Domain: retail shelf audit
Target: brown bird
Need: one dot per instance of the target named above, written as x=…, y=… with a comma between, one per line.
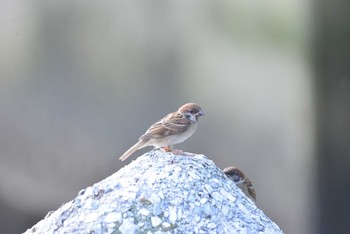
x=238, y=177
x=173, y=129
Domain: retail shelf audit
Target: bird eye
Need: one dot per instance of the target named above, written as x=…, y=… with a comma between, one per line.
x=192, y=111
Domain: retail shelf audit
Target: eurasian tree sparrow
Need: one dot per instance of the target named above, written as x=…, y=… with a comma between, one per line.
x=173, y=129
x=238, y=177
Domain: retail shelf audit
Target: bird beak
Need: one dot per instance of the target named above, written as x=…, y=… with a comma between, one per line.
x=201, y=113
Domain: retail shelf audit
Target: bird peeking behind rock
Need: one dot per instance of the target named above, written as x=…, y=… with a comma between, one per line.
x=173, y=129
x=238, y=177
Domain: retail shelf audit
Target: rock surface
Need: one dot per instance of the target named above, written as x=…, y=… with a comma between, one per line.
x=160, y=193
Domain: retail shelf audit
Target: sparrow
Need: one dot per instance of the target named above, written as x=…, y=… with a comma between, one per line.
x=173, y=129
x=238, y=177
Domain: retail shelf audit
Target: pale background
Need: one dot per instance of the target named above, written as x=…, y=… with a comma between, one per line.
x=82, y=80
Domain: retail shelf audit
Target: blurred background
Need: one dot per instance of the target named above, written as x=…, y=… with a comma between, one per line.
x=82, y=80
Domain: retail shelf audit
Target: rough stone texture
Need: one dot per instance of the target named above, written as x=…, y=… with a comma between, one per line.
x=160, y=193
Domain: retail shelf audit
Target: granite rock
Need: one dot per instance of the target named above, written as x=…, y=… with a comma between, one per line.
x=160, y=192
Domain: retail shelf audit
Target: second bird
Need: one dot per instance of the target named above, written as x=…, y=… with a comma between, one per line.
x=173, y=129
x=238, y=177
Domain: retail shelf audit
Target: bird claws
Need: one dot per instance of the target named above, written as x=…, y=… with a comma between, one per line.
x=174, y=151
x=167, y=149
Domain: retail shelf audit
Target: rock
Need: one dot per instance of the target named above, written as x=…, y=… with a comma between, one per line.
x=160, y=192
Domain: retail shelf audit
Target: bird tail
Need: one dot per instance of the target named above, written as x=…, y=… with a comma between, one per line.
x=133, y=149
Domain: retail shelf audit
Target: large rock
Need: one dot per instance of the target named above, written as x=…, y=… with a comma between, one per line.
x=160, y=192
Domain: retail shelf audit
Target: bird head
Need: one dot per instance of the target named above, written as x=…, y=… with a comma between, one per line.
x=234, y=174
x=191, y=111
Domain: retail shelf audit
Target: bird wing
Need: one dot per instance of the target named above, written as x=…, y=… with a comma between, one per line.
x=172, y=124
x=250, y=188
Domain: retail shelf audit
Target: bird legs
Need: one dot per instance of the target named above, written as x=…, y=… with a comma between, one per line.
x=169, y=148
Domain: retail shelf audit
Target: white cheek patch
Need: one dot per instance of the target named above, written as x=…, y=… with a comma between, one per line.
x=193, y=118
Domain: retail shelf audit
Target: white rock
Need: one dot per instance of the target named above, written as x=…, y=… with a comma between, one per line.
x=155, y=220
x=172, y=214
x=128, y=226
x=91, y=217
x=179, y=204
x=203, y=200
x=113, y=217
x=166, y=225
x=144, y=212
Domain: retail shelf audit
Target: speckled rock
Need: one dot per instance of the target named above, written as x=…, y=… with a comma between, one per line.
x=160, y=193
